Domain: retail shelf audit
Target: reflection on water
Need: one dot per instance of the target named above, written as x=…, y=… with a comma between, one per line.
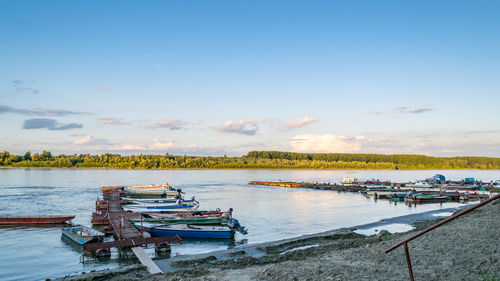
x=269, y=213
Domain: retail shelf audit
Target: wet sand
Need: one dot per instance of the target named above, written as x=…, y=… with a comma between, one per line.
x=464, y=249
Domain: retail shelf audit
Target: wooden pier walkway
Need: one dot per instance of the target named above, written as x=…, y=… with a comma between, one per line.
x=126, y=235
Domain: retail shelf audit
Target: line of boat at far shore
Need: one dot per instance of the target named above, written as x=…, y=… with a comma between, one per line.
x=432, y=190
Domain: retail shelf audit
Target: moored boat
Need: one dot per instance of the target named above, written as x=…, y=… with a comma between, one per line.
x=81, y=234
x=35, y=219
x=160, y=190
x=160, y=208
x=460, y=187
x=419, y=184
x=421, y=198
x=217, y=212
x=160, y=201
x=107, y=188
x=188, y=231
x=397, y=196
x=196, y=220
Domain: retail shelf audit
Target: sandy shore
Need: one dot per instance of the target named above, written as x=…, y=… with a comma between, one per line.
x=467, y=248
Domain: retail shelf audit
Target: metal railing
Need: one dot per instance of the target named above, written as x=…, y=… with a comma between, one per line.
x=405, y=242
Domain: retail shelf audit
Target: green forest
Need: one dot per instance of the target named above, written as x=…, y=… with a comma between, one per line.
x=253, y=160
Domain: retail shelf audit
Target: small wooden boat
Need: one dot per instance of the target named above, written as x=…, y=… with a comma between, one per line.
x=22, y=220
x=379, y=194
x=188, y=231
x=349, y=188
x=421, y=198
x=397, y=196
x=106, y=188
x=461, y=187
x=160, y=201
x=473, y=196
x=419, y=184
x=217, y=212
x=81, y=234
x=160, y=190
x=196, y=220
x=172, y=205
x=162, y=208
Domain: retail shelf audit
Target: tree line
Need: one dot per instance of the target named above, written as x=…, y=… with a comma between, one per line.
x=253, y=160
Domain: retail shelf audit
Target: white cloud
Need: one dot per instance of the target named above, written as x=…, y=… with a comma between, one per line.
x=90, y=140
x=421, y=109
x=127, y=147
x=243, y=127
x=112, y=121
x=405, y=110
x=157, y=145
x=173, y=124
x=160, y=145
x=326, y=143
x=299, y=122
x=84, y=140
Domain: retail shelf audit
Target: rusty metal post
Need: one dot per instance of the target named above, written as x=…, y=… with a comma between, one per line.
x=408, y=261
x=121, y=227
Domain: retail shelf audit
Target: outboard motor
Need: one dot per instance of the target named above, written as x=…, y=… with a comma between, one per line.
x=235, y=224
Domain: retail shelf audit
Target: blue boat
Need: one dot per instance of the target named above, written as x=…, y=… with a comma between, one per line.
x=162, y=201
x=81, y=234
x=188, y=231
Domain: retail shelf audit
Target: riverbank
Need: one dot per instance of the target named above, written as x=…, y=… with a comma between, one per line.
x=464, y=249
x=252, y=160
x=245, y=168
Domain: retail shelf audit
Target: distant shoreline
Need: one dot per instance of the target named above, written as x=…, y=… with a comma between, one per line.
x=259, y=160
x=276, y=169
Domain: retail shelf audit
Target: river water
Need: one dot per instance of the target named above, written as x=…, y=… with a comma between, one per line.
x=269, y=213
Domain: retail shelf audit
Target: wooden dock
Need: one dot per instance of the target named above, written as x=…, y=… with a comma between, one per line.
x=111, y=212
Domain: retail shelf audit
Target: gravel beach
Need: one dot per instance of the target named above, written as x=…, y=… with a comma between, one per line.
x=464, y=249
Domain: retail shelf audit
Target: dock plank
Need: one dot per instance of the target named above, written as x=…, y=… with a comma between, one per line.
x=146, y=260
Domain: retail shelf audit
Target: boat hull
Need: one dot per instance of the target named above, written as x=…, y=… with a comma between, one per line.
x=151, y=192
x=195, y=213
x=423, y=200
x=158, y=201
x=36, y=220
x=80, y=239
x=189, y=233
x=160, y=209
x=187, y=220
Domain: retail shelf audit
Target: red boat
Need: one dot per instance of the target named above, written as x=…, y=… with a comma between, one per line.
x=36, y=220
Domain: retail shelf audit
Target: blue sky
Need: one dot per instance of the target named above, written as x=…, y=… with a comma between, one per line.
x=226, y=77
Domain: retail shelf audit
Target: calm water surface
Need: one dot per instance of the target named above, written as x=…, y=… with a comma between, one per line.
x=270, y=213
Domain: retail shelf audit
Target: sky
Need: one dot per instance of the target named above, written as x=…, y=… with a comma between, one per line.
x=227, y=77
